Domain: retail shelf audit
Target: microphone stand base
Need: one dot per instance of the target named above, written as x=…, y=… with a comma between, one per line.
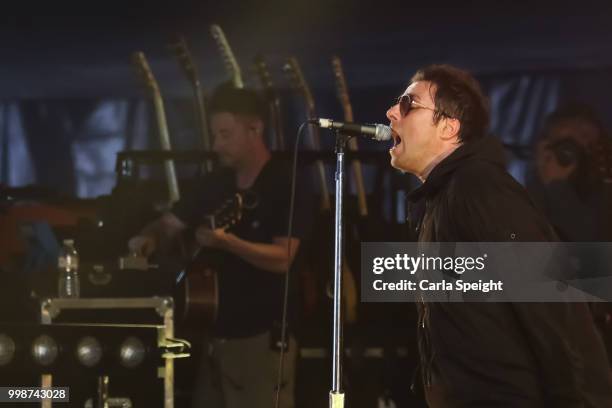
x=336, y=399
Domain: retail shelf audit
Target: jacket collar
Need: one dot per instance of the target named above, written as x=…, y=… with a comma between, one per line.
x=487, y=149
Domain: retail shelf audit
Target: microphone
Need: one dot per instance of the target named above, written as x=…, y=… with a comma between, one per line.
x=374, y=131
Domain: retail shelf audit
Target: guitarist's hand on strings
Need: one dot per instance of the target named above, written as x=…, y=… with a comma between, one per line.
x=212, y=238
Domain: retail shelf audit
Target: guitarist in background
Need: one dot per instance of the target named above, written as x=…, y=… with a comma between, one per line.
x=242, y=366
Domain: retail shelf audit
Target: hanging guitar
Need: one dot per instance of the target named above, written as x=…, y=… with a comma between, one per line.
x=345, y=101
x=231, y=64
x=323, y=242
x=144, y=70
x=273, y=99
x=370, y=225
x=197, y=291
x=298, y=81
x=186, y=61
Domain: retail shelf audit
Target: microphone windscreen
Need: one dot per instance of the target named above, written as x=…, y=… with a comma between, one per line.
x=383, y=133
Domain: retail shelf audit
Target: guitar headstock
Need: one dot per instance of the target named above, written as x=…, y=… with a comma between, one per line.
x=342, y=88
x=261, y=68
x=231, y=65
x=144, y=71
x=186, y=61
x=228, y=214
x=298, y=81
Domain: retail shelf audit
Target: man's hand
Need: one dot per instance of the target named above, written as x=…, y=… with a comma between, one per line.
x=207, y=237
x=143, y=245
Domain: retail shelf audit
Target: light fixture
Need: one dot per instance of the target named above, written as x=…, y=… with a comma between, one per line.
x=89, y=351
x=132, y=352
x=44, y=350
x=7, y=349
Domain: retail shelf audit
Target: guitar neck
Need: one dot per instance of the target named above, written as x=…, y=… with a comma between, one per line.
x=315, y=144
x=186, y=61
x=261, y=68
x=231, y=64
x=144, y=70
x=347, y=108
x=292, y=68
x=315, y=134
x=274, y=104
x=358, y=174
x=200, y=105
x=164, y=139
x=277, y=120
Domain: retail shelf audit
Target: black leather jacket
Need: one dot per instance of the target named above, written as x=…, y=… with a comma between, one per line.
x=500, y=354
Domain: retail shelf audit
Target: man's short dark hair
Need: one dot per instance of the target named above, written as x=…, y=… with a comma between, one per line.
x=458, y=95
x=227, y=98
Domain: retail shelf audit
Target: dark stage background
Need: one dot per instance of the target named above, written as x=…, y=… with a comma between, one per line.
x=70, y=100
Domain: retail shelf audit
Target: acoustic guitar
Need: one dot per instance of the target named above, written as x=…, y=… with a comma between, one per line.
x=197, y=290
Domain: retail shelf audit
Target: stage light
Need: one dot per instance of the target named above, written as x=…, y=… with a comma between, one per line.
x=132, y=352
x=7, y=349
x=44, y=350
x=89, y=351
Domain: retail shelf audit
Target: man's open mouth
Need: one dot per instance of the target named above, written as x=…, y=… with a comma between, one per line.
x=396, y=137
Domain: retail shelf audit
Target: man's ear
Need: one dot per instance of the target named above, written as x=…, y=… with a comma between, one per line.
x=450, y=128
x=256, y=126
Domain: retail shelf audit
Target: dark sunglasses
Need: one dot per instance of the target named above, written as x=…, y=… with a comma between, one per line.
x=407, y=103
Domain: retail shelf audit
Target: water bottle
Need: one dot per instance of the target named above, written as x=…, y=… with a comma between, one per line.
x=68, y=265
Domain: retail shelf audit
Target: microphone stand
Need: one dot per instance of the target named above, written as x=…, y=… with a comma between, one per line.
x=336, y=395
